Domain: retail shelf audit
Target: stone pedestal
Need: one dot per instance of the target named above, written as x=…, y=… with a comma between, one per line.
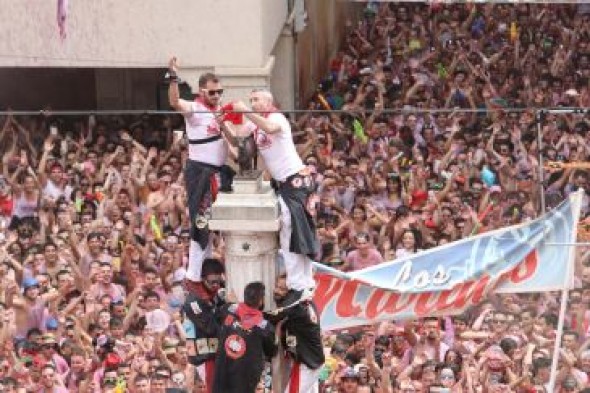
x=248, y=220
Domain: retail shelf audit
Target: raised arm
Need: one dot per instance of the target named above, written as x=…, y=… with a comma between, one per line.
x=266, y=125
x=173, y=94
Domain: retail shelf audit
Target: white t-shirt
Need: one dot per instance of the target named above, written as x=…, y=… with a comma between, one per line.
x=201, y=126
x=52, y=191
x=278, y=150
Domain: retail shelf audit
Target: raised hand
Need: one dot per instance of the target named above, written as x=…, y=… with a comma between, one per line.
x=48, y=145
x=173, y=64
x=125, y=136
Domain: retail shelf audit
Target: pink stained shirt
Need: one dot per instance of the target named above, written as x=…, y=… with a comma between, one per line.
x=357, y=261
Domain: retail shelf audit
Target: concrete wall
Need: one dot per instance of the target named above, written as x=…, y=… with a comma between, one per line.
x=141, y=33
x=244, y=41
x=234, y=38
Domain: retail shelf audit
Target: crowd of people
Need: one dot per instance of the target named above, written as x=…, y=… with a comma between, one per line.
x=436, y=141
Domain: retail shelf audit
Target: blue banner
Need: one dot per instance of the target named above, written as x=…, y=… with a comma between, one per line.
x=530, y=257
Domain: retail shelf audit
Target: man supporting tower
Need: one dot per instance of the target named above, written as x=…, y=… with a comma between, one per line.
x=302, y=339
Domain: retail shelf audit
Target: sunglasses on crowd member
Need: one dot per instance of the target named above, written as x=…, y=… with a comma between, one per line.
x=213, y=92
x=214, y=282
x=110, y=382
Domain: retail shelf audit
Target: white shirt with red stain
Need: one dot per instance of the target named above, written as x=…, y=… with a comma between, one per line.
x=278, y=150
x=200, y=126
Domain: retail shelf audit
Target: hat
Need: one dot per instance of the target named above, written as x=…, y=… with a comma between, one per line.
x=30, y=282
x=359, y=367
x=349, y=373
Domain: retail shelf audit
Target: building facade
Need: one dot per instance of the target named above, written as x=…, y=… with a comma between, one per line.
x=114, y=53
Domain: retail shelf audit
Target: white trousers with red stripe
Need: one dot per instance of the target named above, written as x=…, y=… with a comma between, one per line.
x=303, y=379
x=298, y=267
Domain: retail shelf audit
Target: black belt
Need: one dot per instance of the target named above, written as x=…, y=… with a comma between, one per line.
x=289, y=178
x=204, y=140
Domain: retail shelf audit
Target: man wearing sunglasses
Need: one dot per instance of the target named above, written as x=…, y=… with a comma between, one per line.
x=202, y=308
x=207, y=153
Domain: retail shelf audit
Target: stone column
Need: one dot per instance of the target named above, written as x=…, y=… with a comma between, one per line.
x=248, y=220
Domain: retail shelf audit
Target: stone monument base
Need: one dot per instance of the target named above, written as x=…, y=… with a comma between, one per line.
x=248, y=220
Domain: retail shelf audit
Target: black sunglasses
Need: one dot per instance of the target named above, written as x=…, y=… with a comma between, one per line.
x=213, y=92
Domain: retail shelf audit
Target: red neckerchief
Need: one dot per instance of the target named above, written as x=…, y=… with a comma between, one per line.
x=249, y=317
x=201, y=101
x=203, y=293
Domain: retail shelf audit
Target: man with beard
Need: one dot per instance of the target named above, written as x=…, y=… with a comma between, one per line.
x=202, y=307
x=247, y=340
x=301, y=336
x=207, y=153
x=429, y=343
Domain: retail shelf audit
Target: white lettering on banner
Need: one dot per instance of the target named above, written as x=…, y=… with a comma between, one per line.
x=440, y=276
x=422, y=278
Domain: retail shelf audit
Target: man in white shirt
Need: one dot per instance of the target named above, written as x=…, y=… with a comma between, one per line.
x=294, y=184
x=207, y=153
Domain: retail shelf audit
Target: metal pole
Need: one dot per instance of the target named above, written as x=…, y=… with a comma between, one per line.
x=557, y=346
x=568, y=244
x=563, y=305
x=539, y=116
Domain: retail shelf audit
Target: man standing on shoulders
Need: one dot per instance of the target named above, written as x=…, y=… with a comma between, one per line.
x=302, y=339
x=298, y=238
x=246, y=342
x=207, y=153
